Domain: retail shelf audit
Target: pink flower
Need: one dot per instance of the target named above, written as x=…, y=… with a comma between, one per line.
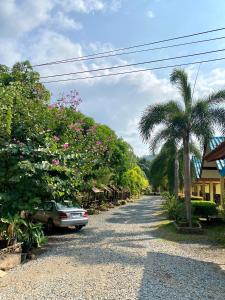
x=98, y=143
x=55, y=162
x=75, y=127
x=53, y=105
x=66, y=145
x=56, y=138
x=72, y=100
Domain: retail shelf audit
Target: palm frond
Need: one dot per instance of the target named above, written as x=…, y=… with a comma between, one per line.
x=202, y=121
x=158, y=170
x=218, y=118
x=169, y=147
x=163, y=135
x=158, y=138
x=155, y=115
x=179, y=78
x=216, y=97
x=194, y=150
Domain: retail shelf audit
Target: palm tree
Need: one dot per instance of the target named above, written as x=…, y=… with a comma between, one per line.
x=170, y=141
x=166, y=168
x=185, y=119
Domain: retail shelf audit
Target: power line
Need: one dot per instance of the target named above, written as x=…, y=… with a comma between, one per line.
x=136, y=71
x=140, y=51
x=130, y=47
x=134, y=64
x=196, y=78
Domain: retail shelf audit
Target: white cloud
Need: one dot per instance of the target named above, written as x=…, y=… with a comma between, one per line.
x=18, y=18
x=48, y=46
x=150, y=14
x=60, y=20
x=115, y=5
x=91, y=6
x=83, y=6
x=9, y=52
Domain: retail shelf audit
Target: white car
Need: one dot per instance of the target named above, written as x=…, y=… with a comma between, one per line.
x=55, y=214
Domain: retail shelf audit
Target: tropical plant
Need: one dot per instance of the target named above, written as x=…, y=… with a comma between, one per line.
x=186, y=119
x=13, y=227
x=135, y=180
x=32, y=235
x=145, y=165
x=166, y=169
x=175, y=210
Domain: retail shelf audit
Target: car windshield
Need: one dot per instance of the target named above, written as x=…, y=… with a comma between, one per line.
x=66, y=205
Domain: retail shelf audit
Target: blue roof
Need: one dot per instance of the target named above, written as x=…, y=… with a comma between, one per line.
x=213, y=144
x=197, y=166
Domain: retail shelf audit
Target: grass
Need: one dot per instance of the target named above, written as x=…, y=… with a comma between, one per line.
x=213, y=233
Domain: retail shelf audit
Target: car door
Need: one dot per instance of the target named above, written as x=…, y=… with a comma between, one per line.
x=39, y=214
x=48, y=211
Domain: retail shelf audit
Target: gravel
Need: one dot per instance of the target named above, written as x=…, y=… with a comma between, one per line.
x=120, y=255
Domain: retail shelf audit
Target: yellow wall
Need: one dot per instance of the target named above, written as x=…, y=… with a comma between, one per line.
x=218, y=189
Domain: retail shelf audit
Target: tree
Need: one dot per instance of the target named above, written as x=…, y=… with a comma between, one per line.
x=135, y=180
x=186, y=119
x=52, y=150
x=166, y=169
x=145, y=165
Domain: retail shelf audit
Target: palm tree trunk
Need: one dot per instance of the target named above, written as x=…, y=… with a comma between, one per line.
x=187, y=179
x=176, y=176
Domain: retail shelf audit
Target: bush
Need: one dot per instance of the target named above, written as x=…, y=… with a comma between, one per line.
x=123, y=202
x=193, y=198
x=135, y=180
x=204, y=209
x=175, y=211
x=17, y=229
x=196, y=198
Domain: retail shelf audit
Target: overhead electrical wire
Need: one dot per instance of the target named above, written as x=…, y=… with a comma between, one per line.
x=140, y=51
x=134, y=64
x=127, y=48
x=136, y=71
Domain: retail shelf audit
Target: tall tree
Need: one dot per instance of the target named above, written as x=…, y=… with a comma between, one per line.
x=187, y=119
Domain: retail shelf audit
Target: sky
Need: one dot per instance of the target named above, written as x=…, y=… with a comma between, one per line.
x=48, y=30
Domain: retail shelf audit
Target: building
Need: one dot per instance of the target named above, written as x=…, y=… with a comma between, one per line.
x=210, y=173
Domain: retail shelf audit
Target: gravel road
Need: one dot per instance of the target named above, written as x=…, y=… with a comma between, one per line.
x=119, y=256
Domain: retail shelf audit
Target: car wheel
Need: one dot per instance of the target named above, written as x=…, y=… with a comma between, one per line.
x=78, y=227
x=50, y=226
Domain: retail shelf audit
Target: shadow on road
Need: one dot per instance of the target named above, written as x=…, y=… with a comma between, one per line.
x=175, y=277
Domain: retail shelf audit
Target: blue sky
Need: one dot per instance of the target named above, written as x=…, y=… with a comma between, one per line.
x=45, y=30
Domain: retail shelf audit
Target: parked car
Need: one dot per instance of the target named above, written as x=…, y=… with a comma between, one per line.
x=54, y=214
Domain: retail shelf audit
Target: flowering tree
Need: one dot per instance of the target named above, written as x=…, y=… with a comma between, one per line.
x=52, y=151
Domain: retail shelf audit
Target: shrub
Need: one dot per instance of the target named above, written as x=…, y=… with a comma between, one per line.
x=123, y=202
x=196, y=198
x=204, y=209
x=135, y=180
x=17, y=229
x=193, y=198
x=175, y=211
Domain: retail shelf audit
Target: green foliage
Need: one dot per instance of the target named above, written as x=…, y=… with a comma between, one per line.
x=145, y=165
x=11, y=228
x=196, y=198
x=204, y=209
x=175, y=210
x=32, y=235
x=135, y=180
x=16, y=229
x=53, y=151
